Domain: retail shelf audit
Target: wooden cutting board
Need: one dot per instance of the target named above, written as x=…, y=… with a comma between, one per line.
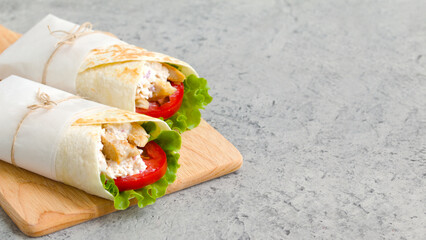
x=40, y=206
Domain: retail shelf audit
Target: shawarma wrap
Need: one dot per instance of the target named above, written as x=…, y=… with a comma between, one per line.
x=108, y=152
x=102, y=68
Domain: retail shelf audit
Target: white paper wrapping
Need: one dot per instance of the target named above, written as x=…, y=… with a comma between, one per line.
x=38, y=137
x=29, y=54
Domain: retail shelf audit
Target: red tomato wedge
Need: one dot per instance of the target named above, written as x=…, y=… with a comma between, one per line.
x=167, y=109
x=156, y=163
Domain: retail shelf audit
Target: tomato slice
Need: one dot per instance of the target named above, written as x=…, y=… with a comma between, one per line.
x=156, y=166
x=169, y=108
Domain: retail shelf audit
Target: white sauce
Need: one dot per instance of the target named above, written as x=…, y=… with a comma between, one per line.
x=128, y=166
x=121, y=130
x=151, y=72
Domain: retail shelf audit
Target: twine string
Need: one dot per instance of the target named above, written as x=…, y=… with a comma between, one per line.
x=44, y=101
x=69, y=38
x=74, y=34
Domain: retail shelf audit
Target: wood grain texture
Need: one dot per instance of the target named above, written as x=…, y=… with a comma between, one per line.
x=40, y=206
x=7, y=37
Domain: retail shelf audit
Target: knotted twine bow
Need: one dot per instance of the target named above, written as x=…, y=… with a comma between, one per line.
x=69, y=38
x=44, y=102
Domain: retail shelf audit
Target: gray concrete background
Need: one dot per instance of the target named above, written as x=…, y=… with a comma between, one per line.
x=325, y=100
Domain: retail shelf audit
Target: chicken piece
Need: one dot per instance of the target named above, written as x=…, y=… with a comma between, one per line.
x=174, y=74
x=116, y=149
x=141, y=102
x=138, y=135
x=162, y=90
x=163, y=100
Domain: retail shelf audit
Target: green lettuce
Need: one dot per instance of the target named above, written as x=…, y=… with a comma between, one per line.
x=170, y=142
x=196, y=96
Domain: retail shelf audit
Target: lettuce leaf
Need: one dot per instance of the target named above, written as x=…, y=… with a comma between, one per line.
x=170, y=142
x=195, y=97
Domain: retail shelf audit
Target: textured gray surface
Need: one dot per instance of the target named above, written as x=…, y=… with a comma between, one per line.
x=325, y=100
